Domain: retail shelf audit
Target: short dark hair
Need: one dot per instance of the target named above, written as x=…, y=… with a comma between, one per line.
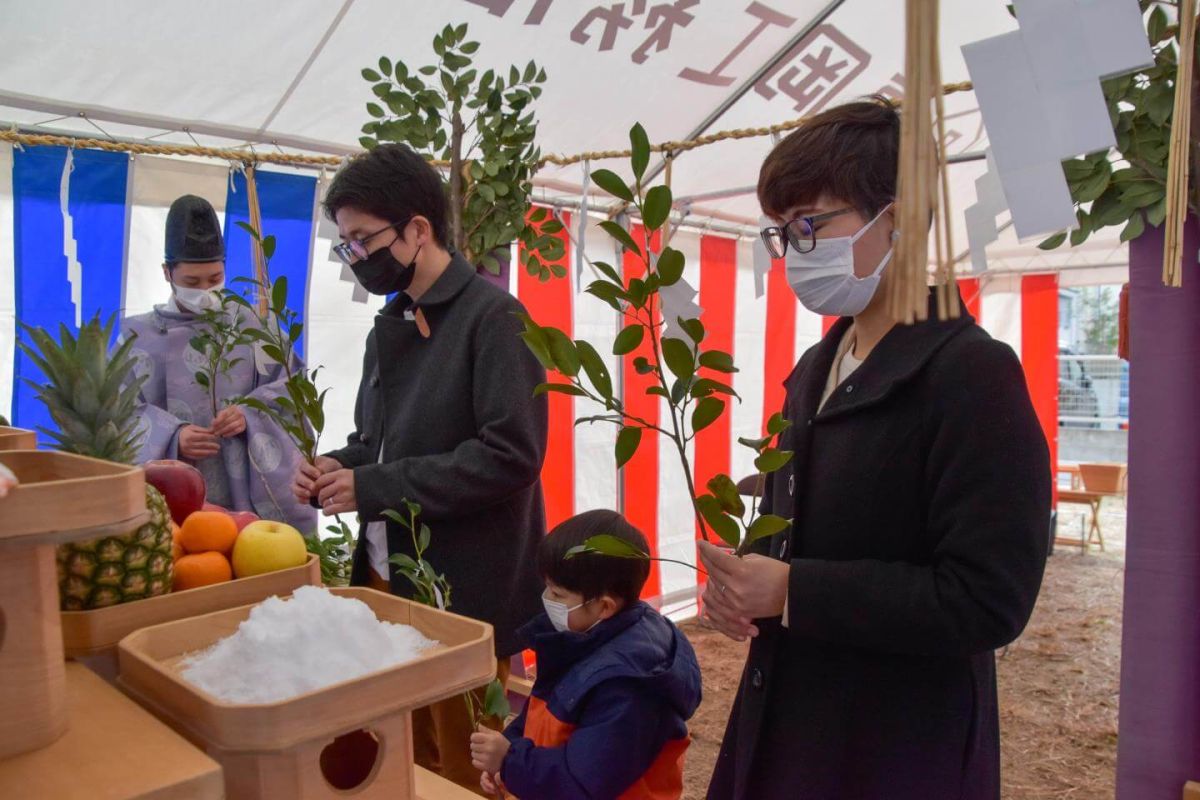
x=392, y=182
x=849, y=152
x=591, y=574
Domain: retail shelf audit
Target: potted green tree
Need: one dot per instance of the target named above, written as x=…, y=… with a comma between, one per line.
x=482, y=127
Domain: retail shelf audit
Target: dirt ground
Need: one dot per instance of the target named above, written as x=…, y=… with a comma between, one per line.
x=1058, y=682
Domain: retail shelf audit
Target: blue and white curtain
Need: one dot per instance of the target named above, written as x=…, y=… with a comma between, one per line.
x=81, y=232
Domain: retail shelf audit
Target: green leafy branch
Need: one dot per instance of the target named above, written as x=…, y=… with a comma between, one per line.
x=483, y=125
x=1130, y=190
x=335, y=553
x=677, y=366
x=221, y=334
x=431, y=588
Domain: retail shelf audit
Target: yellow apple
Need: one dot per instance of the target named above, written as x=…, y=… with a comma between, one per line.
x=267, y=546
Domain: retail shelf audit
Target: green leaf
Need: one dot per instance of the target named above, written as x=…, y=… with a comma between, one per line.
x=621, y=235
x=1156, y=213
x=371, y=75
x=495, y=701
x=268, y=246
x=1094, y=185
x=627, y=444
x=559, y=388
x=202, y=379
x=707, y=411
x=1135, y=227
x=385, y=65
x=772, y=460
x=657, y=207
x=376, y=110
x=1156, y=26
x=717, y=360
x=726, y=492
x=777, y=424
x=1053, y=241
x=562, y=351
x=628, y=339
x=755, y=444
x=707, y=386
x=607, y=292
x=611, y=182
x=679, y=357
x=606, y=544
x=640, y=144
x=539, y=345
x=694, y=329
x=279, y=295
x=670, y=266
x=423, y=539
x=595, y=368
x=764, y=526
x=248, y=228
x=609, y=272
x=714, y=515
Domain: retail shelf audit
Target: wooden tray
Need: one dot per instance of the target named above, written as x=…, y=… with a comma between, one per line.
x=273, y=750
x=113, y=750
x=61, y=497
x=17, y=439
x=96, y=632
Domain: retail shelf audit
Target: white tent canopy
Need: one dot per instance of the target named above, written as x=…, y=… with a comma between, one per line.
x=225, y=73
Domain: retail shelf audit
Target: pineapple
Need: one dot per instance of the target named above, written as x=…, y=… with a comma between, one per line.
x=93, y=396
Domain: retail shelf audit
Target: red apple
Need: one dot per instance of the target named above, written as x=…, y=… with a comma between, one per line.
x=181, y=484
x=243, y=518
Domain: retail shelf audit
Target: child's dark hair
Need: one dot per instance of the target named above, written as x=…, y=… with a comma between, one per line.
x=591, y=574
x=392, y=182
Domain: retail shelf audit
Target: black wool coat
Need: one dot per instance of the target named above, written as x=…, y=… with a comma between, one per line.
x=465, y=438
x=921, y=499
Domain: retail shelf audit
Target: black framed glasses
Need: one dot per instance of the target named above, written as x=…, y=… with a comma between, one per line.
x=356, y=249
x=800, y=234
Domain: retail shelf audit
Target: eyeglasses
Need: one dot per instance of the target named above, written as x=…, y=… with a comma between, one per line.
x=356, y=249
x=800, y=234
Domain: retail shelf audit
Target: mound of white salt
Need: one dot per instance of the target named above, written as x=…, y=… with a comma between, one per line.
x=288, y=647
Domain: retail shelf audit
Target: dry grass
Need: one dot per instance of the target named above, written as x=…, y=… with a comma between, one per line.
x=1058, y=683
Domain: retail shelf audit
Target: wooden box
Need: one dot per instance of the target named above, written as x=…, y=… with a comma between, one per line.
x=17, y=439
x=112, y=750
x=275, y=750
x=60, y=497
x=92, y=636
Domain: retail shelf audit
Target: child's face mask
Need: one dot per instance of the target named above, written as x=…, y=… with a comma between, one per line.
x=560, y=614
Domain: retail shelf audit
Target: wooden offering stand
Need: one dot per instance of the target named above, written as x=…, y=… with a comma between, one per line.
x=282, y=749
x=17, y=439
x=60, y=497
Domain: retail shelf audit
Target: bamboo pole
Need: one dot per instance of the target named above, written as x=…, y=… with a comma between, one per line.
x=1177, y=152
x=256, y=251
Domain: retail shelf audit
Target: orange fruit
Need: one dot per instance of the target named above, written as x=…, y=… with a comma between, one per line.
x=201, y=569
x=208, y=530
x=176, y=544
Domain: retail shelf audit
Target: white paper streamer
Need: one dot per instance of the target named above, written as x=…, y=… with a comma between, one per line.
x=70, y=247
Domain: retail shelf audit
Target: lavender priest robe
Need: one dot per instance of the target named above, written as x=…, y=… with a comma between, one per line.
x=254, y=469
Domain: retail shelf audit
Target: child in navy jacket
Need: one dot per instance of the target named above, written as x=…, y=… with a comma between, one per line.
x=616, y=683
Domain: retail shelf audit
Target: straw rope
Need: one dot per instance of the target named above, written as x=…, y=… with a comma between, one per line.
x=248, y=157
x=1177, y=152
x=922, y=162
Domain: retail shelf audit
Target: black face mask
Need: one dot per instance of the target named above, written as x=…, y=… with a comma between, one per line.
x=381, y=273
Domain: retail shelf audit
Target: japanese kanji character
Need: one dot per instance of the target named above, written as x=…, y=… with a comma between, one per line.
x=827, y=62
x=665, y=16
x=614, y=20
x=767, y=17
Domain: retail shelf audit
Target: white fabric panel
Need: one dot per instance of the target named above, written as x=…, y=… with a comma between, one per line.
x=8, y=274
x=1000, y=301
x=676, y=521
x=595, y=464
x=335, y=331
x=749, y=350
x=157, y=182
x=1098, y=276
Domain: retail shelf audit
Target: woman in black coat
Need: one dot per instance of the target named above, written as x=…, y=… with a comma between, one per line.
x=920, y=500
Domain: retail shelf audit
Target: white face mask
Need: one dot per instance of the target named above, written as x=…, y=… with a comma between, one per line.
x=559, y=612
x=198, y=300
x=824, y=279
